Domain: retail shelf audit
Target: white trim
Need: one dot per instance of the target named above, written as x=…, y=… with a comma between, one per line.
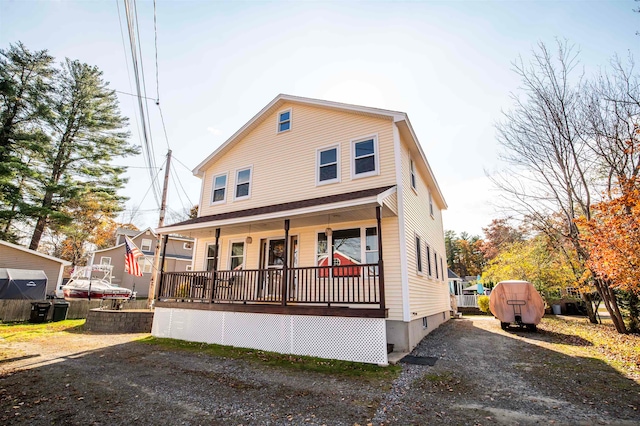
x=102, y=258
x=206, y=253
x=190, y=243
x=235, y=183
x=404, y=277
x=277, y=215
x=213, y=188
x=143, y=243
x=338, y=166
x=204, y=176
x=413, y=178
x=146, y=263
x=417, y=249
x=376, y=156
x=389, y=192
x=430, y=204
x=26, y=250
x=60, y=275
x=428, y=253
x=281, y=99
x=244, y=252
x=278, y=122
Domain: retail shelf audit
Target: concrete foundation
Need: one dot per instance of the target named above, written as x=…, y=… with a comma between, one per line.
x=406, y=335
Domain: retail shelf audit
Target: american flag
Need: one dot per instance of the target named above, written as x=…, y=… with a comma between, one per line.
x=131, y=258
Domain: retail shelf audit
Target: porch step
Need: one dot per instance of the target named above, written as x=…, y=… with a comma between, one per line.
x=395, y=357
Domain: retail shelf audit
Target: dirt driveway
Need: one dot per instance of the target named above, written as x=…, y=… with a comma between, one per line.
x=483, y=376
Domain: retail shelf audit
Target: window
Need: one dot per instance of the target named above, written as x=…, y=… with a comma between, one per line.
x=188, y=246
x=429, y=260
x=105, y=260
x=418, y=254
x=145, y=265
x=435, y=261
x=442, y=268
x=349, y=248
x=424, y=322
x=219, y=189
x=371, y=249
x=413, y=174
x=243, y=184
x=284, y=121
x=430, y=204
x=237, y=256
x=211, y=256
x=146, y=244
x=328, y=165
x=365, y=161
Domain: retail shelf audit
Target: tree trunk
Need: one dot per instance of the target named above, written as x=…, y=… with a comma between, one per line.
x=42, y=221
x=588, y=302
x=609, y=300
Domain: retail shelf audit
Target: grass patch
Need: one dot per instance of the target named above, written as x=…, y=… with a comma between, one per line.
x=620, y=351
x=292, y=362
x=20, y=332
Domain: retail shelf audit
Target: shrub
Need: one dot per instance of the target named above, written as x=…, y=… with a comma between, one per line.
x=483, y=303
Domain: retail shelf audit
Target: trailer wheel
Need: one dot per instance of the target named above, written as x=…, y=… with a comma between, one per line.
x=532, y=327
x=504, y=325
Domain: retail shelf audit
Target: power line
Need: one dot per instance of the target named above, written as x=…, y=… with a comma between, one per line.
x=155, y=32
x=132, y=94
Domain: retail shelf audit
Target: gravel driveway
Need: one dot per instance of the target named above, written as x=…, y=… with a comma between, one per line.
x=483, y=376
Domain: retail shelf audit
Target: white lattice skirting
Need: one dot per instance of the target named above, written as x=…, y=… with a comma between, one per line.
x=349, y=339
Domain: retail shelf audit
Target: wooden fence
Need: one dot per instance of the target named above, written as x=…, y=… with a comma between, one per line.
x=20, y=310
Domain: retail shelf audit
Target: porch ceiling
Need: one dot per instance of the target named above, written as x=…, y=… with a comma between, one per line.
x=334, y=210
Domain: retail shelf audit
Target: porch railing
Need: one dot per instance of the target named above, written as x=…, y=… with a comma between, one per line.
x=324, y=285
x=467, y=300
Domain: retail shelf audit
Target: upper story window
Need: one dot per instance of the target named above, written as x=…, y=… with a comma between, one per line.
x=284, y=121
x=435, y=261
x=430, y=204
x=413, y=174
x=328, y=165
x=243, y=183
x=145, y=264
x=146, y=245
x=219, y=189
x=105, y=260
x=365, y=157
x=442, y=268
x=429, y=260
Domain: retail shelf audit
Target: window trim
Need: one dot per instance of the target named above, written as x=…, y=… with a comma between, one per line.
x=429, y=270
x=235, y=184
x=213, y=188
x=418, y=253
x=187, y=246
x=142, y=244
x=318, y=165
x=145, y=263
x=103, y=258
x=376, y=157
x=363, y=241
x=278, y=121
x=244, y=252
x=413, y=180
x=431, y=205
x=435, y=258
x=206, y=254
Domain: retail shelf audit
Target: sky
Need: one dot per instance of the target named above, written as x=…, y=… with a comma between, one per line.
x=447, y=64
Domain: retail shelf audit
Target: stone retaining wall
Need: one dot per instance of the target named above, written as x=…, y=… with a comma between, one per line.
x=124, y=321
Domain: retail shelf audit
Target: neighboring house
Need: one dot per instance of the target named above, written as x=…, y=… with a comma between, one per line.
x=455, y=283
x=334, y=216
x=14, y=256
x=178, y=258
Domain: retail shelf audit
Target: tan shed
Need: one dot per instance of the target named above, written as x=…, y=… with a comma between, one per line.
x=516, y=302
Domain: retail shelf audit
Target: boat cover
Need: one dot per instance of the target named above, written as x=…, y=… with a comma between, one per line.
x=509, y=297
x=22, y=284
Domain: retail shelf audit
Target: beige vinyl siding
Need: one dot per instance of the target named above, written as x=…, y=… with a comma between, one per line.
x=17, y=259
x=392, y=202
x=307, y=248
x=284, y=164
x=427, y=295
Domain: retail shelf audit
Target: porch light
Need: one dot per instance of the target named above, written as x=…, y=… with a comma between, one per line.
x=328, y=232
x=249, y=240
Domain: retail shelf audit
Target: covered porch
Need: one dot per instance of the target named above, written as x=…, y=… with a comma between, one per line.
x=317, y=257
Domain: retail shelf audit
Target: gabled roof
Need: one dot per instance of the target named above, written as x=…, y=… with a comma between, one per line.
x=26, y=250
x=452, y=275
x=398, y=117
x=139, y=233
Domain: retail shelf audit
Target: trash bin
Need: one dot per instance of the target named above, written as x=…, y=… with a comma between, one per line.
x=60, y=310
x=39, y=311
x=556, y=309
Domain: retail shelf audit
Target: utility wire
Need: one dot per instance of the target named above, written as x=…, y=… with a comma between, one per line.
x=155, y=32
x=132, y=94
x=147, y=192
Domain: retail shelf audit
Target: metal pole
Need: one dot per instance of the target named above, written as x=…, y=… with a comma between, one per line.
x=156, y=254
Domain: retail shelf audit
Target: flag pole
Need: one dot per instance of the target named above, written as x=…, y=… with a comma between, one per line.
x=156, y=253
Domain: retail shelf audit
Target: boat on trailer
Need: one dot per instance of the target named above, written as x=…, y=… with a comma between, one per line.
x=93, y=282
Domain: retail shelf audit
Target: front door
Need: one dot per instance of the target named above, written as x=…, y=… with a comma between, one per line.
x=274, y=261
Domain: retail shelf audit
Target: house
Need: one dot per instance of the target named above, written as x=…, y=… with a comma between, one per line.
x=14, y=256
x=178, y=258
x=301, y=188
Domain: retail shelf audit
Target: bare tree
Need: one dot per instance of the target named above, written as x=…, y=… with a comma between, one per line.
x=553, y=172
